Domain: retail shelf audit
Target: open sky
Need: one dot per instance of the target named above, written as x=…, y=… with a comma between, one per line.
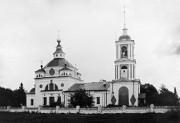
x=88, y=31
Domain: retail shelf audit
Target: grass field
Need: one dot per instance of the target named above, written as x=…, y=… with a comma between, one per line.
x=170, y=117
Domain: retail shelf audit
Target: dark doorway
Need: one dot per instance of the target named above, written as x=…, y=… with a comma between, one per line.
x=45, y=101
x=123, y=96
x=51, y=101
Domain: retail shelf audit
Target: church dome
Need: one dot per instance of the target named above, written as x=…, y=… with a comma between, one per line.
x=124, y=37
x=32, y=91
x=59, y=62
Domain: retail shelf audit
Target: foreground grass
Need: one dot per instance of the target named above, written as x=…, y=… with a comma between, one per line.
x=170, y=117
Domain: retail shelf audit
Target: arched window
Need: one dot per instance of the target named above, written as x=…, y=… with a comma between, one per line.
x=124, y=52
x=124, y=72
x=51, y=87
x=124, y=67
x=46, y=88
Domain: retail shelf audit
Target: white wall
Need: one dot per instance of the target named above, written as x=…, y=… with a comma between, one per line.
x=28, y=100
x=129, y=85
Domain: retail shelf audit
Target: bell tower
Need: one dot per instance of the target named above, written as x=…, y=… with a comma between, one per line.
x=125, y=62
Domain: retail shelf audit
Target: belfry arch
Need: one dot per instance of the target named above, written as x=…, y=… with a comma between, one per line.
x=124, y=52
x=124, y=71
x=123, y=96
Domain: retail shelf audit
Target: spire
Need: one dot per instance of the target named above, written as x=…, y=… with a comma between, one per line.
x=124, y=29
x=124, y=18
x=41, y=64
x=58, y=39
x=58, y=53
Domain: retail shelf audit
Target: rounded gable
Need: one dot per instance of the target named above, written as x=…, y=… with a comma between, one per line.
x=32, y=90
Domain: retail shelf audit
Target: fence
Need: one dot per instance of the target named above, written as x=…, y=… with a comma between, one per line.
x=112, y=110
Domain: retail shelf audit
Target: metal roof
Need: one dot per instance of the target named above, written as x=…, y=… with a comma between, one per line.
x=59, y=62
x=94, y=86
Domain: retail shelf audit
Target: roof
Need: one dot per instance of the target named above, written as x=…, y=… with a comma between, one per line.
x=126, y=80
x=65, y=68
x=94, y=86
x=41, y=70
x=58, y=51
x=32, y=91
x=59, y=62
x=126, y=37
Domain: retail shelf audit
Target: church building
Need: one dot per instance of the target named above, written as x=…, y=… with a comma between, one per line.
x=52, y=80
x=59, y=79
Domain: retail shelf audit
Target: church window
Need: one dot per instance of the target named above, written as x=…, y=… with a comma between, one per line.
x=62, y=84
x=46, y=88
x=59, y=100
x=124, y=52
x=51, y=86
x=56, y=87
x=124, y=72
x=51, y=101
x=97, y=100
x=37, y=76
x=51, y=72
x=32, y=102
x=45, y=101
x=40, y=86
x=124, y=67
x=66, y=74
x=56, y=55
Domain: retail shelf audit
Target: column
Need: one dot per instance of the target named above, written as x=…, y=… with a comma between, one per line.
x=117, y=71
x=128, y=50
x=119, y=51
x=131, y=52
x=116, y=51
x=132, y=71
x=129, y=71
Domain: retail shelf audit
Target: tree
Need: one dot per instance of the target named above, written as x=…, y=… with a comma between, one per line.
x=168, y=98
x=82, y=99
x=7, y=97
x=151, y=93
x=20, y=95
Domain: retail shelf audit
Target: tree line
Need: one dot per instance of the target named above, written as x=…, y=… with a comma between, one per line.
x=161, y=97
x=14, y=98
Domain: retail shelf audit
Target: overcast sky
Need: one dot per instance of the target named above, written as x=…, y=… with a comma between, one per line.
x=88, y=30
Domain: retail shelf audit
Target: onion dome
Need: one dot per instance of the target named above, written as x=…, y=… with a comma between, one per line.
x=41, y=70
x=58, y=47
x=124, y=36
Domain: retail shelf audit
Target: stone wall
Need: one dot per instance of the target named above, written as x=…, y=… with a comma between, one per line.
x=155, y=109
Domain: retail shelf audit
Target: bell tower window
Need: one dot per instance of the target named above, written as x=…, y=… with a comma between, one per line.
x=124, y=52
x=124, y=72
